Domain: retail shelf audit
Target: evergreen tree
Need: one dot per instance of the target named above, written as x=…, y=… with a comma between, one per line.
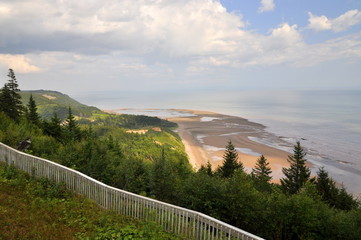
x=72, y=128
x=5, y=100
x=12, y=82
x=162, y=182
x=206, y=169
x=325, y=186
x=298, y=173
x=262, y=171
x=230, y=161
x=345, y=201
x=53, y=128
x=10, y=98
x=31, y=113
x=332, y=195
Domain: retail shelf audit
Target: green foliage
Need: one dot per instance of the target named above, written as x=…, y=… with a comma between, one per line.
x=31, y=112
x=298, y=173
x=262, y=170
x=132, y=175
x=207, y=169
x=10, y=99
x=130, y=121
x=40, y=209
x=53, y=128
x=261, y=174
x=230, y=161
x=163, y=179
x=204, y=193
x=50, y=102
x=332, y=195
x=6, y=101
x=72, y=130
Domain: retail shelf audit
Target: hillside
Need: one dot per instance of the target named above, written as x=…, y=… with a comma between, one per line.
x=40, y=209
x=49, y=102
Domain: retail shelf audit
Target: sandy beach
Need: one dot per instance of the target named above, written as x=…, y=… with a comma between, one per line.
x=205, y=135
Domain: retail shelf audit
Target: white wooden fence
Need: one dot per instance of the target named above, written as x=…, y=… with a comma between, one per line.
x=178, y=220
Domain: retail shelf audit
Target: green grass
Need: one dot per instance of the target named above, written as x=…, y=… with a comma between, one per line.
x=168, y=137
x=39, y=209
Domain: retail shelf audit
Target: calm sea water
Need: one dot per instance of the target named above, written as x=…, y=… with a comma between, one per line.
x=328, y=123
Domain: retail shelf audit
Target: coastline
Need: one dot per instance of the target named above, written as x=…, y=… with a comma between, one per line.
x=331, y=139
x=205, y=135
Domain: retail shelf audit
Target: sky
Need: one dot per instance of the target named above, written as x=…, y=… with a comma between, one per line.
x=149, y=45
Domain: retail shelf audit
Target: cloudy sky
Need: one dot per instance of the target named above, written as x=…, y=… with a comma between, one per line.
x=100, y=45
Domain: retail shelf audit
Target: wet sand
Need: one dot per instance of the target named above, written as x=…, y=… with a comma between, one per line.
x=206, y=134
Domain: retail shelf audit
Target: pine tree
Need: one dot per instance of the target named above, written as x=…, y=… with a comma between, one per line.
x=230, y=161
x=72, y=129
x=298, y=173
x=262, y=171
x=32, y=114
x=325, y=185
x=5, y=100
x=332, y=195
x=10, y=98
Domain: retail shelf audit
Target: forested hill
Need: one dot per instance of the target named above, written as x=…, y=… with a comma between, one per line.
x=49, y=102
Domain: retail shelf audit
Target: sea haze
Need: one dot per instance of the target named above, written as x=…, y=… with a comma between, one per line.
x=328, y=123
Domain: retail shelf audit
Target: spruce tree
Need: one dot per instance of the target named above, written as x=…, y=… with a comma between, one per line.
x=5, y=100
x=332, y=195
x=10, y=98
x=298, y=173
x=262, y=170
x=32, y=114
x=325, y=185
x=72, y=129
x=230, y=161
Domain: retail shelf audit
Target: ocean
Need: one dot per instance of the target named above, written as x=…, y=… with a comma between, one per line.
x=328, y=123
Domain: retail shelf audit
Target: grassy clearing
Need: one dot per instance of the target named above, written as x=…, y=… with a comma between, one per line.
x=39, y=209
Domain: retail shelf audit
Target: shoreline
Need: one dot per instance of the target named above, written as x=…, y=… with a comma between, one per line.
x=206, y=134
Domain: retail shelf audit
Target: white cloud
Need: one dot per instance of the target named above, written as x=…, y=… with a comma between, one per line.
x=266, y=6
x=19, y=63
x=175, y=28
x=341, y=23
x=284, y=45
x=318, y=23
x=148, y=39
x=346, y=20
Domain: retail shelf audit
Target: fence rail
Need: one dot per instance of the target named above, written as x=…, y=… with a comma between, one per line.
x=178, y=220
